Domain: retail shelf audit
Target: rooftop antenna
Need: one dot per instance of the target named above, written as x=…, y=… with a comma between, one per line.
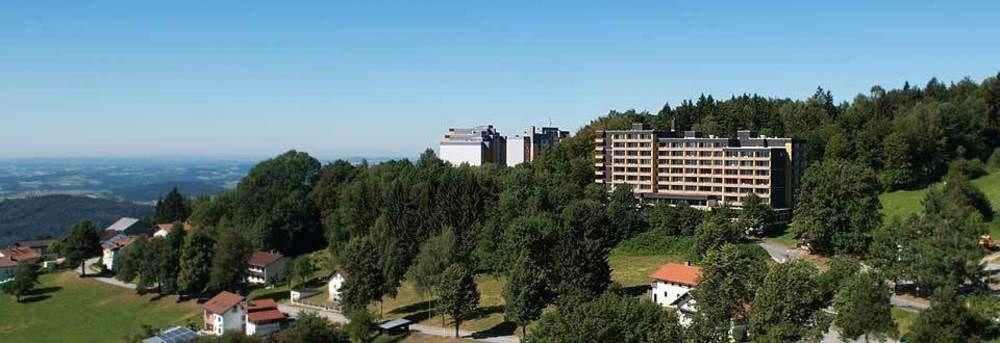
x=550, y=121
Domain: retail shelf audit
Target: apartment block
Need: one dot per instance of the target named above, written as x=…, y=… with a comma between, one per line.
x=474, y=146
x=702, y=171
x=528, y=146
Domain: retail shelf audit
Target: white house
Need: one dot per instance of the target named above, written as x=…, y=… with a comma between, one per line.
x=224, y=312
x=263, y=317
x=265, y=266
x=334, y=285
x=671, y=286
x=114, y=246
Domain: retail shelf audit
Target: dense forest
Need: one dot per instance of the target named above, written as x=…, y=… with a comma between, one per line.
x=547, y=229
x=52, y=215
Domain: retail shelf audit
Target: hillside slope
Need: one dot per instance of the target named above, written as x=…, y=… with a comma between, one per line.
x=55, y=214
x=904, y=203
x=151, y=192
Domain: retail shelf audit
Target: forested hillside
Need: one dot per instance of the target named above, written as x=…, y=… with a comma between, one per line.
x=547, y=230
x=150, y=192
x=52, y=215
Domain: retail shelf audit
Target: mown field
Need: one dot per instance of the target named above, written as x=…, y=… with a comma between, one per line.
x=903, y=203
x=66, y=308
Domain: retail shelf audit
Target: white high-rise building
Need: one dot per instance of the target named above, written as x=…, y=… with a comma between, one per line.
x=473, y=146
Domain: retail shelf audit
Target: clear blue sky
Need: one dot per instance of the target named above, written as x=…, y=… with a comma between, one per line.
x=127, y=78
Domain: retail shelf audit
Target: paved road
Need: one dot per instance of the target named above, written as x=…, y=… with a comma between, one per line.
x=420, y=328
x=108, y=280
x=908, y=304
x=779, y=253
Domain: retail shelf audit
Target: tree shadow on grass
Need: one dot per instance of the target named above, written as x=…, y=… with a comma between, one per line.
x=45, y=290
x=415, y=307
x=486, y=311
x=418, y=316
x=635, y=291
x=34, y=298
x=502, y=329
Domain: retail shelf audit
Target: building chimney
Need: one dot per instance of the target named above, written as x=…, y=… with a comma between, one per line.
x=637, y=126
x=687, y=263
x=673, y=124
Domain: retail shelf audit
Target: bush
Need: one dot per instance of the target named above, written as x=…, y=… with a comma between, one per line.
x=968, y=169
x=655, y=242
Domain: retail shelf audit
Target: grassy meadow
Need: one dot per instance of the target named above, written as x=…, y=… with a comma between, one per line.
x=66, y=308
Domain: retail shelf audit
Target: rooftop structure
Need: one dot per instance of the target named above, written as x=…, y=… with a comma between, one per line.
x=529, y=145
x=702, y=171
x=474, y=146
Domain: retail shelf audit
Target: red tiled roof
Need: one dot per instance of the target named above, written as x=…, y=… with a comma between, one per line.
x=263, y=258
x=222, y=302
x=265, y=315
x=20, y=253
x=261, y=304
x=678, y=273
x=6, y=262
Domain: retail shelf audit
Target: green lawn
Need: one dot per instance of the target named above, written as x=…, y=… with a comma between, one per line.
x=903, y=203
x=69, y=309
x=904, y=320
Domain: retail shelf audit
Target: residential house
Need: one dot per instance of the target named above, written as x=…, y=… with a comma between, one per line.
x=334, y=285
x=9, y=258
x=42, y=246
x=177, y=334
x=125, y=225
x=20, y=253
x=263, y=317
x=224, y=312
x=162, y=230
x=265, y=266
x=7, y=268
x=114, y=246
x=672, y=285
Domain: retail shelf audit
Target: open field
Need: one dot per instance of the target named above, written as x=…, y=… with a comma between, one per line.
x=66, y=308
x=903, y=203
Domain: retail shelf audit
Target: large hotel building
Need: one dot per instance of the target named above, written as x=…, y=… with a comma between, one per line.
x=703, y=171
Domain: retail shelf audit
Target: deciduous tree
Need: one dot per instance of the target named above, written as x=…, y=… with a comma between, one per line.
x=863, y=307
x=838, y=207
x=458, y=294
x=82, y=243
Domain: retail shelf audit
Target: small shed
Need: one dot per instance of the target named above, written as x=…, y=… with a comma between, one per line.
x=395, y=326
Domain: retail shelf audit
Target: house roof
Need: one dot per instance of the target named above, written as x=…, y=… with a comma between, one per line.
x=266, y=315
x=118, y=242
x=264, y=258
x=261, y=304
x=177, y=334
x=122, y=224
x=41, y=243
x=6, y=262
x=170, y=226
x=678, y=273
x=264, y=310
x=222, y=302
x=20, y=253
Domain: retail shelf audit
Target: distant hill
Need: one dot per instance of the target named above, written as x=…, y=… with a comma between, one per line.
x=150, y=192
x=53, y=215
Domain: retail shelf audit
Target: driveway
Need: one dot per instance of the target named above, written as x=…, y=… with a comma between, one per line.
x=779, y=253
x=420, y=328
x=108, y=280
